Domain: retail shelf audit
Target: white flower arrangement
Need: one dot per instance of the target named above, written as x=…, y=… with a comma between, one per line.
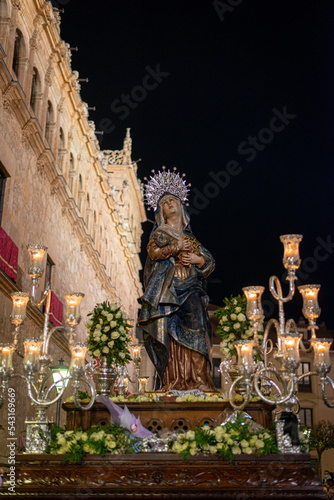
x=108, y=334
x=99, y=440
x=228, y=440
x=233, y=324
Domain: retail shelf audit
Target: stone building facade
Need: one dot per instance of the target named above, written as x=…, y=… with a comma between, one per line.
x=58, y=188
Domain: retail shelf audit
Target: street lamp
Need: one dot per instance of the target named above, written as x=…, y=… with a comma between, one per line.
x=60, y=375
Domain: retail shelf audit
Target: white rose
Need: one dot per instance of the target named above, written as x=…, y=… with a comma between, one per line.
x=98, y=327
x=96, y=333
x=104, y=338
x=226, y=328
x=241, y=317
x=113, y=307
x=122, y=329
x=89, y=323
x=233, y=317
x=237, y=309
x=111, y=344
x=110, y=317
x=118, y=315
x=236, y=326
x=122, y=355
x=104, y=313
x=105, y=350
x=106, y=328
x=124, y=315
x=224, y=318
x=113, y=324
x=101, y=321
x=97, y=353
x=114, y=335
x=232, y=336
x=234, y=302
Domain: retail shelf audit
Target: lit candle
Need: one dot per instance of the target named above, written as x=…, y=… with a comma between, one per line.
x=291, y=259
x=322, y=360
x=136, y=352
x=20, y=301
x=290, y=343
x=36, y=253
x=143, y=384
x=73, y=301
x=78, y=355
x=246, y=362
x=6, y=361
x=311, y=309
x=254, y=309
x=32, y=349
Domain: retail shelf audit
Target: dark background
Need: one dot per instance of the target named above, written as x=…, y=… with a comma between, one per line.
x=226, y=66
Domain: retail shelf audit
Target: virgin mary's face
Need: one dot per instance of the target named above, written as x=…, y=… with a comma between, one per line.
x=170, y=206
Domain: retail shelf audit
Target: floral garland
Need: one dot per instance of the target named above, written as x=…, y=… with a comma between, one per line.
x=233, y=324
x=228, y=440
x=98, y=440
x=108, y=335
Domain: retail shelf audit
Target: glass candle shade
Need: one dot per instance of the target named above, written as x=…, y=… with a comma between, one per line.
x=254, y=311
x=142, y=383
x=136, y=353
x=311, y=309
x=290, y=345
x=20, y=301
x=78, y=363
x=6, y=360
x=32, y=348
x=73, y=301
x=291, y=259
x=246, y=362
x=36, y=253
x=322, y=360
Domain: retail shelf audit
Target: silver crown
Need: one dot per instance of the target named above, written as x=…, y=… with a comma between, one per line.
x=165, y=182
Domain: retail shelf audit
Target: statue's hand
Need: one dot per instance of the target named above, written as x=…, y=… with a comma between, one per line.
x=184, y=245
x=191, y=258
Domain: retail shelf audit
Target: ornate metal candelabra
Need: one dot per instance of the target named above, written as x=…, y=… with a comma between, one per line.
x=277, y=384
x=37, y=360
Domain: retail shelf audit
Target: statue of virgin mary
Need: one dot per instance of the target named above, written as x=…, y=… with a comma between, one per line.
x=174, y=319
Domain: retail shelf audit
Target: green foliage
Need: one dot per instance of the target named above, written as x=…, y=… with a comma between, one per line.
x=98, y=440
x=322, y=436
x=108, y=335
x=227, y=440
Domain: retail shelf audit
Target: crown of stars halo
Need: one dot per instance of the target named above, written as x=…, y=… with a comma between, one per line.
x=165, y=182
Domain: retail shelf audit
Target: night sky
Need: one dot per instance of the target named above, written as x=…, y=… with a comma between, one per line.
x=238, y=95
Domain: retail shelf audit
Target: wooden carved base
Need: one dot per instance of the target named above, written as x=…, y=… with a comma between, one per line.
x=170, y=414
x=166, y=476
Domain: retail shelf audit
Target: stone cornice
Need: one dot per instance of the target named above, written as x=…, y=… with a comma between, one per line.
x=14, y=97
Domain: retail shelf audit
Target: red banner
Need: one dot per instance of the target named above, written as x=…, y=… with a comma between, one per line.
x=56, y=311
x=8, y=255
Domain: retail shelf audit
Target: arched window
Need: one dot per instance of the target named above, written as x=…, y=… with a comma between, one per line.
x=71, y=172
x=61, y=148
x=49, y=124
x=19, y=53
x=35, y=89
x=80, y=192
x=87, y=210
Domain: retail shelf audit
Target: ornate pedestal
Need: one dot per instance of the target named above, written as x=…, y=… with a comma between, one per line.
x=167, y=414
x=166, y=476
